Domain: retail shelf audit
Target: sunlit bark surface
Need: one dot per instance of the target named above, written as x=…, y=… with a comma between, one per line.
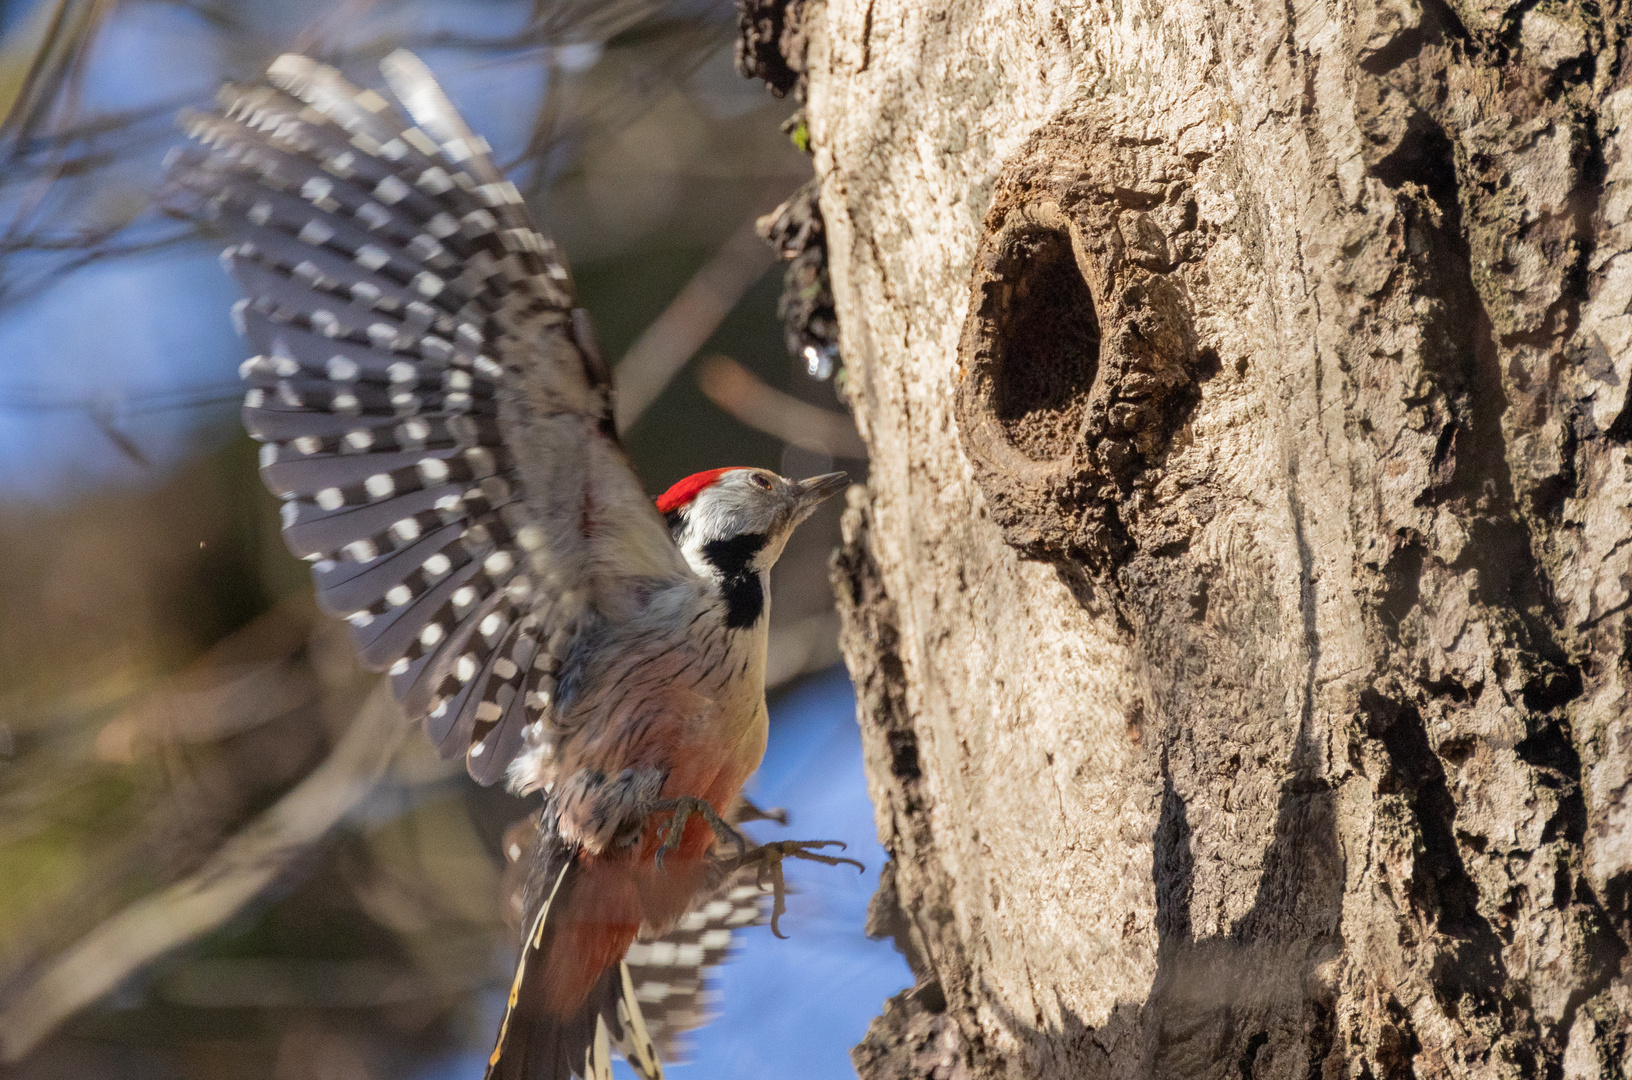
x=1239, y=602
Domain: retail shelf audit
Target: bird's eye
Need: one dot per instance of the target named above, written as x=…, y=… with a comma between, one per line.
x=759, y=481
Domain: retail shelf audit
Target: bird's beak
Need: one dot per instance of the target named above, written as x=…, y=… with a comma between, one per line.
x=809, y=494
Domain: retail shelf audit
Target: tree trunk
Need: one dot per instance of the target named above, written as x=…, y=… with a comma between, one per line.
x=1239, y=601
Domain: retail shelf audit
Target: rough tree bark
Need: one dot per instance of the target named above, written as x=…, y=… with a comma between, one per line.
x=1239, y=602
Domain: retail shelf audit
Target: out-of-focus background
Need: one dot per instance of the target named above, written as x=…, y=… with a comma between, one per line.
x=222, y=854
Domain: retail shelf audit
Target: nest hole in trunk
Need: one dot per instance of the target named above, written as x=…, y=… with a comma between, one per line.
x=1048, y=338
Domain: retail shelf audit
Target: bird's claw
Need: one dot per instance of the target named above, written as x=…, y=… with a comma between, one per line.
x=805, y=849
x=769, y=859
x=675, y=829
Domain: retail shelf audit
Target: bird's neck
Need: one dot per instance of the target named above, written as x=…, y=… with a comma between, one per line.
x=736, y=565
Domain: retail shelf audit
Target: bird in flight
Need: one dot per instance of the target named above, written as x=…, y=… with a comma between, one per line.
x=438, y=422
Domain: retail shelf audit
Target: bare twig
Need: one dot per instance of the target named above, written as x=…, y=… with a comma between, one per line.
x=13, y=292
x=46, y=142
x=313, y=41
x=55, y=43
x=215, y=703
x=240, y=872
x=27, y=398
x=121, y=442
x=690, y=319
x=593, y=114
x=50, y=92
x=742, y=394
x=88, y=129
x=556, y=24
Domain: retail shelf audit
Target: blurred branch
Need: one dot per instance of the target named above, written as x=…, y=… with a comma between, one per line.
x=336, y=20
x=106, y=411
x=131, y=403
x=126, y=122
x=215, y=703
x=46, y=144
x=558, y=23
x=44, y=53
x=87, y=251
x=55, y=47
x=598, y=107
x=263, y=983
x=689, y=321
x=121, y=442
x=239, y=872
x=216, y=14
x=577, y=21
x=745, y=396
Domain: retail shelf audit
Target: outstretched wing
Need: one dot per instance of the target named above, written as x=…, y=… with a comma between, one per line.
x=669, y=977
x=431, y=406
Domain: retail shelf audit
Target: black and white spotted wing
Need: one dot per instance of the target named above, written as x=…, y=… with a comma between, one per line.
x=432, y=410
x=669, y=977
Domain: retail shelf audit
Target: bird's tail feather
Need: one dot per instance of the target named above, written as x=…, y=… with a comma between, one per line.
x=539, y=1040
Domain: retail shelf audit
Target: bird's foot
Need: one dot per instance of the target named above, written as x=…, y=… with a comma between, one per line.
x=685, y=806
x=768, y=858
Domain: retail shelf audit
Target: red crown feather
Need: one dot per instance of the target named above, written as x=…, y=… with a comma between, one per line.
x=686, y=490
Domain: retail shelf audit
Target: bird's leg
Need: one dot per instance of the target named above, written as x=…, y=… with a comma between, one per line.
x=685, y=806
x=768, y=857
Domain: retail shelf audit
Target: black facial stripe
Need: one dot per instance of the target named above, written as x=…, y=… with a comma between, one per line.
x=739, y=582
x=744, y=600
x=732, y=556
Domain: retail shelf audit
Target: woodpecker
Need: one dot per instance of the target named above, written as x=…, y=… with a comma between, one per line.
x=435, y=416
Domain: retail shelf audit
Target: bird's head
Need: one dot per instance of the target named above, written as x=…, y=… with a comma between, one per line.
x=731, y=522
